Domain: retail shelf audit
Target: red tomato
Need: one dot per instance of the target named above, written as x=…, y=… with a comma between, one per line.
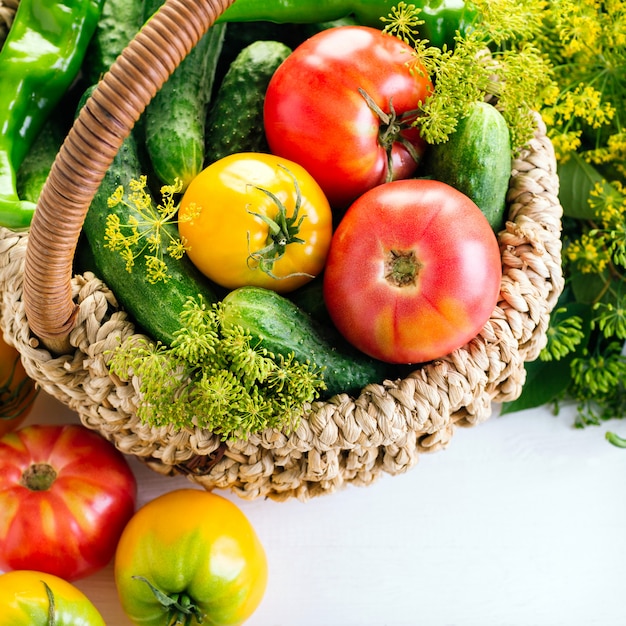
x=413, y=271
x=65, y=496
x=316, y=112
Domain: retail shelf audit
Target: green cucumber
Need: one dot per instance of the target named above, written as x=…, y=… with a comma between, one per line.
x=175, y=119
x=235, y=120
x=241, y=34
x=283, y=328
x=476, y=160
x=119, y=22
x=34, y=170
x=155, y=308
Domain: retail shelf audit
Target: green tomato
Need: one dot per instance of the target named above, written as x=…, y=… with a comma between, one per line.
x=192, y=556
x=30, y=598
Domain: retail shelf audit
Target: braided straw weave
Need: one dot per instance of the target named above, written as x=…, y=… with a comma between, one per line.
x=64, y=325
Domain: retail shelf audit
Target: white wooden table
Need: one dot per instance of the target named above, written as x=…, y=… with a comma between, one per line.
x=521, y=521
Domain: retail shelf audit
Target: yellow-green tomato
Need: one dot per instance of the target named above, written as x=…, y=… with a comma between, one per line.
x=256, y=219
x=190, y=555
x=30, y=598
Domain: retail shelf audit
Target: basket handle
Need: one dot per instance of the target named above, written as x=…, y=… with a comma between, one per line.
x=87, y=152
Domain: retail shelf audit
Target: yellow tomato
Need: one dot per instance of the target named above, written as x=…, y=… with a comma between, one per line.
x=256, y=219
x=17, y=390
x=189, y=554
x=30, y=598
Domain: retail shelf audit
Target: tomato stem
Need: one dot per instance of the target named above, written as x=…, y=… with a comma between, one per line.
x=402, y=267
x=179, y=606
x=39, y=477
x=52, y=620
x=390, y=130
x=282, y=231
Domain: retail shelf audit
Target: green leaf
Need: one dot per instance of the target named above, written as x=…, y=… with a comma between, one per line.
x=577, y=179
x=546, y=381
x=588, y=288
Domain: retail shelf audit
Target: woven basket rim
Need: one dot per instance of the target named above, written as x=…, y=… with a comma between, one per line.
x=340, y=441
x=344, y=439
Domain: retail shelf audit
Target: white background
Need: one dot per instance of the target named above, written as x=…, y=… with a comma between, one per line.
x=521, y=521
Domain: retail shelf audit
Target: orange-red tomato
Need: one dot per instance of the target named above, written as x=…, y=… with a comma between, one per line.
x=413, y=272
x=256, y=219
x=17, y=390
x=66, y=493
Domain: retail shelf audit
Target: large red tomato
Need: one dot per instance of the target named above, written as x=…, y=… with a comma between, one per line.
x=65, y=496
x=342, y=104
x=413, y=272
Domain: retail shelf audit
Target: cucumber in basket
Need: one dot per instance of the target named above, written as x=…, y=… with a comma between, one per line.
x=118, y=24
x=35, y=167
x=476, y=160
x=175, y=119
x=155, y=307
x=284, y=328
x=235, y=119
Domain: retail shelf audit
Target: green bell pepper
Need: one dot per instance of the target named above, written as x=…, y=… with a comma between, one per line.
x=39, y=60
x=442, y=18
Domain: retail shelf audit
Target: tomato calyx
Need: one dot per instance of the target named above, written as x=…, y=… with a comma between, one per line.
x=282, y=231
x=391, y=126
x=402, y=268
x=39, y=477
x=52, y=620
x=179, y=606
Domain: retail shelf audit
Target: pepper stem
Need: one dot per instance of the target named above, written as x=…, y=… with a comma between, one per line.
x=282, y=231
x=179, y=607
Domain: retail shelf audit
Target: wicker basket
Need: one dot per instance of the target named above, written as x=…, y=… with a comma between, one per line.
x=64, y=325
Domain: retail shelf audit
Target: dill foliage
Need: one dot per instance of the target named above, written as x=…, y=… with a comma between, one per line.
x=567, y=60
x=215, y=377
x=492, y=60
x=149, y=234
x=584, y=107
x=211, y=376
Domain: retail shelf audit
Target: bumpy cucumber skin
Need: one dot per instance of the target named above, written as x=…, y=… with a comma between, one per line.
x=284, y=328
x=119, y=22
x=239, y=35
x=476, y=160
x=155, y=308
x=37, y=163
x=235, y=120
x=175, y=119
